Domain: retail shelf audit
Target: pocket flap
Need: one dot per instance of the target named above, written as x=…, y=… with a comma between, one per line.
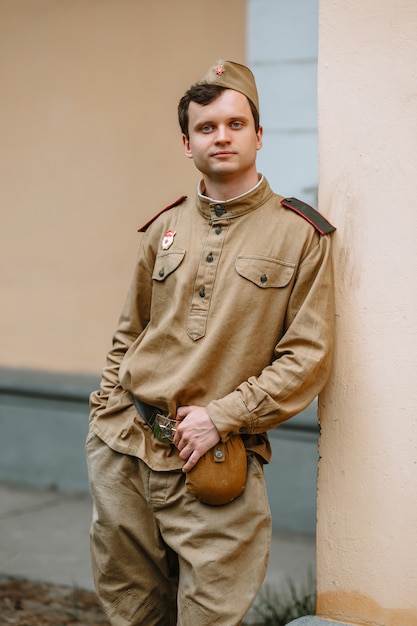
x=166, y=263
x=265, y=272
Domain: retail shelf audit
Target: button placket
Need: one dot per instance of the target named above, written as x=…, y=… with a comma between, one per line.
x=205, y=279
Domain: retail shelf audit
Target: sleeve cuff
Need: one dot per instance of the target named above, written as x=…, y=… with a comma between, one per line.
x=230, y=415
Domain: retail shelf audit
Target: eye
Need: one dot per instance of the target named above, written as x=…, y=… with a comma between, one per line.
x=236, y=124
x=206, y=128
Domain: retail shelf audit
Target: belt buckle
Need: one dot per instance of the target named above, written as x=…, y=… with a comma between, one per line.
x=164, y=428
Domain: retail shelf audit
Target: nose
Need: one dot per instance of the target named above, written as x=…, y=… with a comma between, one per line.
x=222, y=135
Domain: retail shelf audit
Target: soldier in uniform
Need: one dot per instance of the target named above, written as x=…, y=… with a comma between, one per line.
x=226, y=332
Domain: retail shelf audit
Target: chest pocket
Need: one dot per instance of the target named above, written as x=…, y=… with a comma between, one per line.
x=264, y=271
x=166, y=263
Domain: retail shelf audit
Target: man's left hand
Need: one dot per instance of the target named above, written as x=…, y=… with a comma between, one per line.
x=195, y=434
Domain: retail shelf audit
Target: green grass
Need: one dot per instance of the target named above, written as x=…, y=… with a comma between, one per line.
x=274, y=608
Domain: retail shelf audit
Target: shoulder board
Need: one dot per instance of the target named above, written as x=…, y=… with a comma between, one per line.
x=315, y=218
x=171, y=206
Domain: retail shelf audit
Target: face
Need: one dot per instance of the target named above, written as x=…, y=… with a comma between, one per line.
x=222, y=139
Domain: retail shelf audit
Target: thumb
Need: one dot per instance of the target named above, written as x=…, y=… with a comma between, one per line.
x=182, y=412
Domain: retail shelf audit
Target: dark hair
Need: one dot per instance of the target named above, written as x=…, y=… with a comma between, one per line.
x=204, y=93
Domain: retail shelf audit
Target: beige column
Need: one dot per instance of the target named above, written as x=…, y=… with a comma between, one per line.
x=367, y=488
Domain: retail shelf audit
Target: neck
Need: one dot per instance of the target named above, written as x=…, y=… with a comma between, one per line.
x=228, y=189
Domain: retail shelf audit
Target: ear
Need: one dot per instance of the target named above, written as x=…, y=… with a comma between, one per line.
x=187, y=147
x=259, y=136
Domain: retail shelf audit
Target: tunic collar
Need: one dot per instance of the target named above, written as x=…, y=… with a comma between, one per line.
x=235, y=207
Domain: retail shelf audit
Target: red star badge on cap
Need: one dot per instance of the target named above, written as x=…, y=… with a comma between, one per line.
x=219, y=70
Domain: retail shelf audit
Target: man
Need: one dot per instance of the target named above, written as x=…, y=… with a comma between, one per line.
x=228, y=331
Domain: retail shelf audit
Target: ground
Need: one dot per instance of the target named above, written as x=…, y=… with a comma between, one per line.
x=28, y=603
x=24, y=603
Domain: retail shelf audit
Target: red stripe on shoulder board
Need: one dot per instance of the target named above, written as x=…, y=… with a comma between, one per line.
x=312, y=216
x=171, y=206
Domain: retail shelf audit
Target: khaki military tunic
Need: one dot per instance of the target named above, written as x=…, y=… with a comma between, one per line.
x=230, y=308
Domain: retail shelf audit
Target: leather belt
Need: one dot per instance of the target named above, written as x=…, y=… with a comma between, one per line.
x=163, y=427
x=146, y=411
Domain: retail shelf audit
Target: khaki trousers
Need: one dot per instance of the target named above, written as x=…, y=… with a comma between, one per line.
x=160, y=557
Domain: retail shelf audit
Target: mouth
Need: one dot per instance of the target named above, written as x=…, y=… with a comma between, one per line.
x=222, y=154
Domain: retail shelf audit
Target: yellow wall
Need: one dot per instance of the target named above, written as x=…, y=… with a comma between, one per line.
x=90, y=148
x=367, y=508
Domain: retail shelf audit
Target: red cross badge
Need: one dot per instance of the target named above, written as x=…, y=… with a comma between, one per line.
x=168, y=239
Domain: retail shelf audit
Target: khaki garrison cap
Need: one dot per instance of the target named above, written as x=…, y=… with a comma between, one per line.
x=233, y=76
